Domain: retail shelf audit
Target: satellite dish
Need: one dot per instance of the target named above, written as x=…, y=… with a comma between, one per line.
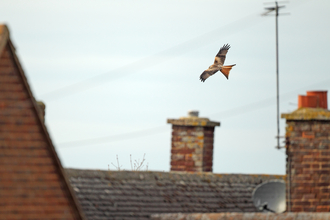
x=270, y=196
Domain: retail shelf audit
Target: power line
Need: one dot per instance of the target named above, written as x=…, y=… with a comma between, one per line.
x=157, y=58
x=154, y=59
x=265, y=102
x=160, y=129
x=117, y=137
x=149, y=61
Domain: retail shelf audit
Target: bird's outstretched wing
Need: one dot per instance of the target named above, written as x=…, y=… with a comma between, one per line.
x=218, y=64
x=207, y=73
x=221, y=55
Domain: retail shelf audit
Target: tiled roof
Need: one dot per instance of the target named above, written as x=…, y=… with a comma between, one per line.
x=32, y=180
x=137, y=195
x=244, y=216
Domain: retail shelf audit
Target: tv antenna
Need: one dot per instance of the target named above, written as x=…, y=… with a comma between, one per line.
x=276, y=9
x=270, y=196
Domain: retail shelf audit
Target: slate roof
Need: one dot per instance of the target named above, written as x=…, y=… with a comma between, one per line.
x=137, y=195
x=245, y=216
x=32, y=181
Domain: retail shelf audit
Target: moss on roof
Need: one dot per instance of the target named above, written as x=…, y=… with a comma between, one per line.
x=138, y=194
x=307, y=114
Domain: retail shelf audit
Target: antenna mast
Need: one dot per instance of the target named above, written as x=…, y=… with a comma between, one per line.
x=269, y=10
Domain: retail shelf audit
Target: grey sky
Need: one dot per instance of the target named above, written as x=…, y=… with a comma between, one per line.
x=139, y=63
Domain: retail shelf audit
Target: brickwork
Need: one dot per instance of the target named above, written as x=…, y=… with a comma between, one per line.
x=32, y=183
x=192, y=144
x=308, y=157
x=308, y=160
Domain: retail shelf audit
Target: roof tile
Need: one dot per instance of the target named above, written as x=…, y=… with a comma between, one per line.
x=134, y=195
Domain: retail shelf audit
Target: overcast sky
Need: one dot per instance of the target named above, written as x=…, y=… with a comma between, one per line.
x=112, y=72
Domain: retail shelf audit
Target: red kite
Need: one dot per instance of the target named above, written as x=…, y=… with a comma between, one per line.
x=218, y=64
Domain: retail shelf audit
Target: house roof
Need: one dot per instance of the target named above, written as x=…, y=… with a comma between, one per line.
x=243, y=216
x=32, y=181
x=137, y=195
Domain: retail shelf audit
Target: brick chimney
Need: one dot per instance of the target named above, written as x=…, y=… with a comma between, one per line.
x=42, y=108
x=192, y=143
x=308, y=154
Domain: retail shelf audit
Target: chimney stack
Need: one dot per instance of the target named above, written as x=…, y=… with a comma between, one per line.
x=192, y=143
x=42, y=108
x=308, y=154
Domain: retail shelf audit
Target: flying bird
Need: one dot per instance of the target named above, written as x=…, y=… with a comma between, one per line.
x=218, y=64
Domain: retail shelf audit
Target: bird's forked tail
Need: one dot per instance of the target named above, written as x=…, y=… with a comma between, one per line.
x=226, y=69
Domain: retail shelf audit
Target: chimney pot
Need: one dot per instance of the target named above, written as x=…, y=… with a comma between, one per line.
x=322, y=98
x=313, y=99
x=193, y=113
x=305, y=101
x=42, y=108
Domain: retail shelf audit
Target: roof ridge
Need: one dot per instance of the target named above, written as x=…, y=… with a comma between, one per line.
x=174, y=176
